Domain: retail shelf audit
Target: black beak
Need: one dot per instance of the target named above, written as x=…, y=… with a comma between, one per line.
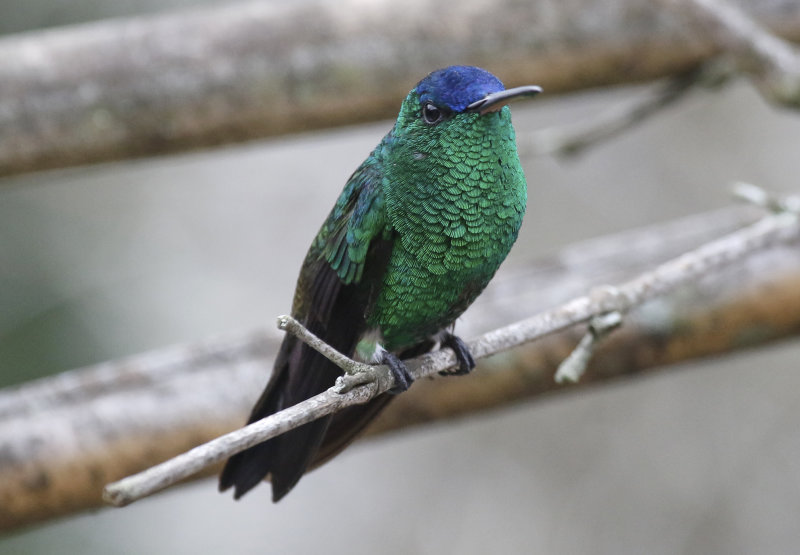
x=495, y=101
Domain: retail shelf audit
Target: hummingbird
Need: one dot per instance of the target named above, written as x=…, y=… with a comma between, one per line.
x=415, y=236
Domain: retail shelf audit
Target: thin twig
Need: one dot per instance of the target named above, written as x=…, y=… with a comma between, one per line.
x=350, y=366
x=773, y=62
x=572, y=140
x=759, y=197
x=355, y=373
x=770, y=230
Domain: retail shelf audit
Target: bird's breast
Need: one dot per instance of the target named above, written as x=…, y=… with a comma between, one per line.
x=451, y=238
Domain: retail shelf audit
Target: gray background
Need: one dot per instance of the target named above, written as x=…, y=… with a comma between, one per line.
x=100, y=262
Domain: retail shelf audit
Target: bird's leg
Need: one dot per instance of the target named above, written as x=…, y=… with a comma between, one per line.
x=402, y=377
x=465, y=361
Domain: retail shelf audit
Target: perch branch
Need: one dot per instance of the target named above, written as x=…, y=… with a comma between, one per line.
x=770, y=230
x=168, y=473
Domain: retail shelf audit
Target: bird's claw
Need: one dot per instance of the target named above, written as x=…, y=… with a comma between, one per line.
x=465, y=361
x=402, y=377
x=368, y=374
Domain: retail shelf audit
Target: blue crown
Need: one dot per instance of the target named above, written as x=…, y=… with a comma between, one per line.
x=456, y=87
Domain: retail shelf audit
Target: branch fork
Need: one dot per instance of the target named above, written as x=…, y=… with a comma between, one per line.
x=573, y=367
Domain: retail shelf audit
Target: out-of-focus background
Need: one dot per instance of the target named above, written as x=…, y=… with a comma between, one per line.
x=105, y=261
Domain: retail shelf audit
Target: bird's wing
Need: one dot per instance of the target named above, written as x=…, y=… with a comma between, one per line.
x=337, y=283
x=348, y=235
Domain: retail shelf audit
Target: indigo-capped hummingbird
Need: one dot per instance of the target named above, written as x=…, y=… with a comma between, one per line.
x=419, y=230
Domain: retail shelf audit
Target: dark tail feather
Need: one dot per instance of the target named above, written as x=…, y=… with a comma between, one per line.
x=299, y=373
x=345, y=426
x=278, y=457
x=286, y=457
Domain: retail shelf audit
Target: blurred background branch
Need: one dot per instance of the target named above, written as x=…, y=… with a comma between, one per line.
x=151, y=85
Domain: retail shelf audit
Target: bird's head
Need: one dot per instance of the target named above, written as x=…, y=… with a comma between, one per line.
x=458, y=106
x=464, y=89
x=456, y=96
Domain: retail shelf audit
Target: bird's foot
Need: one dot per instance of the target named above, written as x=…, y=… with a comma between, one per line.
x=402, y=377
x=465, y=361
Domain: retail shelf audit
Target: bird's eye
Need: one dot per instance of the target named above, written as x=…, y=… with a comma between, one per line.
x=432, y=114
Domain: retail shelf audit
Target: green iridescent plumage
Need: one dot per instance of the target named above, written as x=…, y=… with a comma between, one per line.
x=453, y=230
x=419, y=230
